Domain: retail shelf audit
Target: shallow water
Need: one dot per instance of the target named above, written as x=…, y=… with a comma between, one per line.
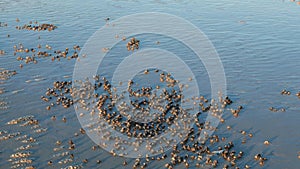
x=257, y=41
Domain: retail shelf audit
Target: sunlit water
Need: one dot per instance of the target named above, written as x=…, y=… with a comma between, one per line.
x=257, y=41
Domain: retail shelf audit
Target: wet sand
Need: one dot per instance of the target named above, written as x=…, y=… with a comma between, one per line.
x=257, y=43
